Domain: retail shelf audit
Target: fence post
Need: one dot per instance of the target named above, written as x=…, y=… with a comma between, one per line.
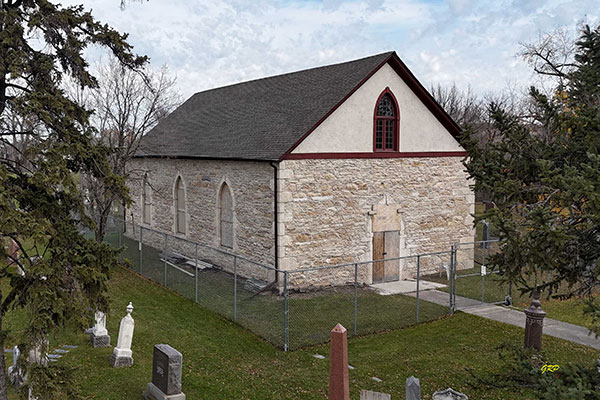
x=355, y=297
x=196, y=275
x=483, y=278
x=418, y=278
x=140, y=249
x=285, y=312
x=165, y=251
x=234, y=287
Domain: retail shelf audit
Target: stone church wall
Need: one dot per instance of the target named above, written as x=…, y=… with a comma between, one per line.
x=251, y=185
x=326, y=209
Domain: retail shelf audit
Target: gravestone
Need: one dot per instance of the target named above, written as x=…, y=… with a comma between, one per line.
x=449, y=394
x=36, y=356
x=15, y=374
x=485, y=235
x=122, y=354
x=413, y=388
x=534, y=323
x=339, y=381
x=166, y=375
x=99, y=336
x=369, y=395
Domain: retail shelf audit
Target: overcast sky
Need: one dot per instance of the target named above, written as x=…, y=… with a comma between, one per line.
x=211, y=43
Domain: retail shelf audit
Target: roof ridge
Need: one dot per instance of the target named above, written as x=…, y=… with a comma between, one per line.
x=387, y=54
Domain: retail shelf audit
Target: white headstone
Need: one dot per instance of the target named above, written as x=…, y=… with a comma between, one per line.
x=99, y=336
x=449, y=394
x=15, y=375
x=35, y=355
x=122, y=354
x=100, y=327
x=16, y=354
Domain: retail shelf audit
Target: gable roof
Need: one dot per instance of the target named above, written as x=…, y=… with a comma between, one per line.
x=265, y=119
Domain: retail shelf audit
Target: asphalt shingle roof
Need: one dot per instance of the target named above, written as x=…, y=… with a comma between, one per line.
x=256, y=120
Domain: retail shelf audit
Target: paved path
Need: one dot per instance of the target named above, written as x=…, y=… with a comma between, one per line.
x=552, y=327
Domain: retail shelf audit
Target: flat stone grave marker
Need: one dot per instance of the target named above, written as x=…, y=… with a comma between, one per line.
x=376, y=379
x=166, y=375
x=60, y=351
x=68, y=346
x=370, y=395
x=449, y=394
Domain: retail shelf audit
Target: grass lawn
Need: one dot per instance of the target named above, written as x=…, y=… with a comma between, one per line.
x=309, y=314
x=563, y=310
x=222, y=360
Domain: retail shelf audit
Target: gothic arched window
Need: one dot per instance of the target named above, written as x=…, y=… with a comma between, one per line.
x=179, y=206
x=386, y=123
x=146, y=201
x=226, y=216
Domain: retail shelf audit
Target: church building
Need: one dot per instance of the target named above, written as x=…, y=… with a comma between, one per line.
x=337, y=164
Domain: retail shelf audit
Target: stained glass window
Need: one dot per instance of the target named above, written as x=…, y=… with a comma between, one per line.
x=386, y=128
x=385, y=108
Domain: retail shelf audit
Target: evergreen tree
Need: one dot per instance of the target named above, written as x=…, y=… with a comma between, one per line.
x=544, y=178
x=45, y=142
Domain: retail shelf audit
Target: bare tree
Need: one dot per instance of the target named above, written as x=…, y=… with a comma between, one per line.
x=465, y=108
x=551, y=56
x=127, y=105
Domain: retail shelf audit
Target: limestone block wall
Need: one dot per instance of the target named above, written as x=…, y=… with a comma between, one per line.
x=251, y=185
x=325, y=205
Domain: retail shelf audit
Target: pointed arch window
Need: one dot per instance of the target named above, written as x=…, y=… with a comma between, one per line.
x=179, y=206
x=226, y=216
x=386, y=123
x=146, y=201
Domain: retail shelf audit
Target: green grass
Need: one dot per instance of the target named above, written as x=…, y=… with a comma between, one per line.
x=309, y=314
x=222, y=360
x=563, y=310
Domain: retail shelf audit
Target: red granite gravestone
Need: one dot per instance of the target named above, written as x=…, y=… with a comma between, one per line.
x=339, y=382
x=534, y=323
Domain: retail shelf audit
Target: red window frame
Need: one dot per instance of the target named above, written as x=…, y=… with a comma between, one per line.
x=384, y=119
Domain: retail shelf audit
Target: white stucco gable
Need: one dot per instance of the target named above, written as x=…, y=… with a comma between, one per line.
x=349, y=128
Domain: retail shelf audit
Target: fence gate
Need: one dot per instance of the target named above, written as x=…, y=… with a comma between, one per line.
x=471, y=278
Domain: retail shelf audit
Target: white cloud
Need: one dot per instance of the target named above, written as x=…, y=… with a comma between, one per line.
x=211, y=43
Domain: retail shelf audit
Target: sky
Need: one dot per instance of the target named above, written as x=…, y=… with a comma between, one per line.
x=212, y=43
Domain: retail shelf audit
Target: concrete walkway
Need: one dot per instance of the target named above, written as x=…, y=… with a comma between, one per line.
x=552, y=327
x=404, y=286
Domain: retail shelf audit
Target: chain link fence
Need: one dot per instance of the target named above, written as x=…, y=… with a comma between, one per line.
x=296, y=308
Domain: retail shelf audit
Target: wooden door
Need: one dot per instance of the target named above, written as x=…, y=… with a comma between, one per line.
x=378, y=254
x=391, y=245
